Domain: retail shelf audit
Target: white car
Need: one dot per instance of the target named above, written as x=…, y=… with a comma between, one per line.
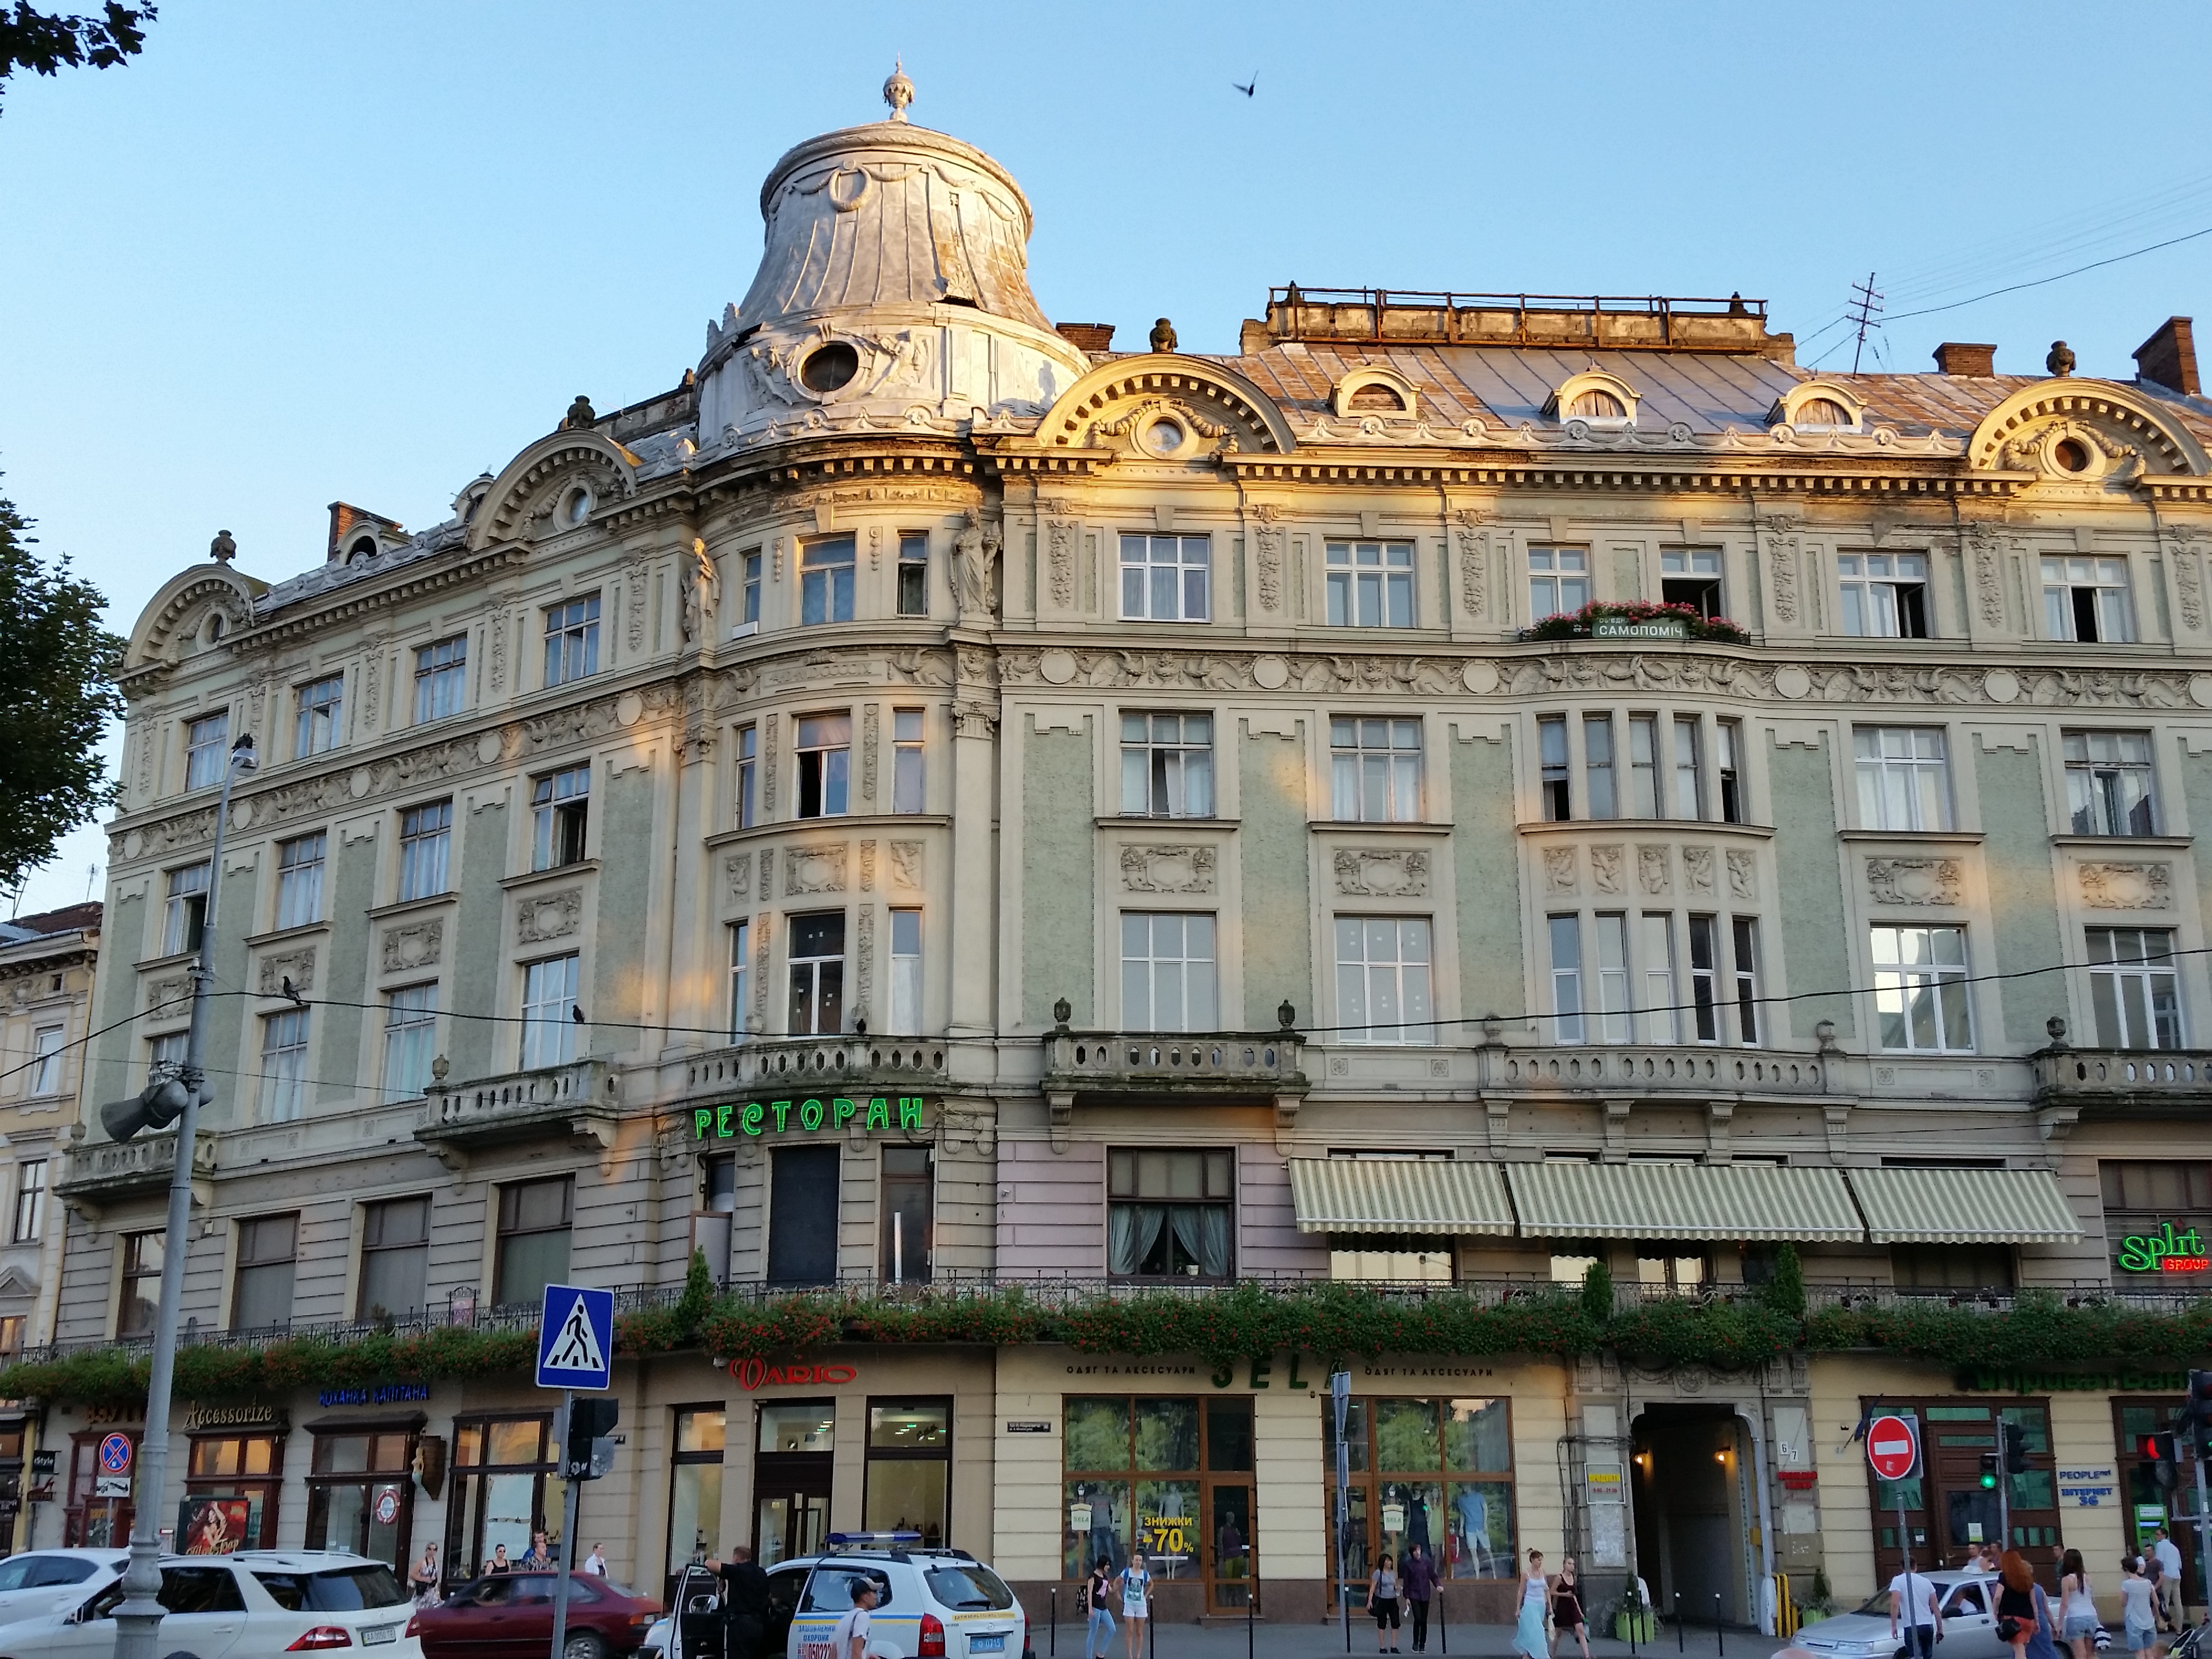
x=930, y=1604
x=1968, y=1599
x=54, y=1581
x=257, y=1604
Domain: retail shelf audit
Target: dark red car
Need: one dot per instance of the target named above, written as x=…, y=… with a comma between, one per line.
x=509, y=1615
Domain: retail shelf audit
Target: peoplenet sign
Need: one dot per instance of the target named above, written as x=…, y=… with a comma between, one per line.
x=730, y=1119
x=2164, y=1251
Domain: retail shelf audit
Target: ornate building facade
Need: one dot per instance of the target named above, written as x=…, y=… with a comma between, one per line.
x=1460, y=790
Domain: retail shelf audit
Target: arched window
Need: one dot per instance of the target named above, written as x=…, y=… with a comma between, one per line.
x=1376, y=396
x=1823, y=411
x=1594, y=403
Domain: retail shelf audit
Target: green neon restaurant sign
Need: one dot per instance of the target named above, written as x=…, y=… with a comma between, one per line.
x=729, y=1119
x=2166, y=1250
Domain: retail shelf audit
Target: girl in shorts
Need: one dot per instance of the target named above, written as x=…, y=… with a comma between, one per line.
x=1383, y=1599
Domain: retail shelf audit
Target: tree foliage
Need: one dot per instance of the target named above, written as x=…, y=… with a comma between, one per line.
x=58, y=692
x=49, y=41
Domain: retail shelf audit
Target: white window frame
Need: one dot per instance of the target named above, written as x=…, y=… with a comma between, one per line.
x=1186, y=562
x=1370, y=585
x=410, y=1033
x=748, y=793
x=902, y=1014
x=913, y=560
x=320, y=726
x=28, y=1223
x=2111, y=607
x=426, y=849
x=1170, y=971
x=1559, y=581
x=1871, y=587
x=48, y=1042
x=2134, y=988
x=1702, y=565
x=1902, y=981
x=828, y=568
x=300, y=865
x=1897, y=767
x=741, y=946
x=1385, y=965
x=572, y=640
x=284, y=1037
x=909, y=761
x=206, y=749
x=833, y=743
x=812, y=996
x=549, y=998
x=177, y=908
x=1167, y=765
x=441, y=679
x=551, y=795
x=2110, y=789
x=1368, y=752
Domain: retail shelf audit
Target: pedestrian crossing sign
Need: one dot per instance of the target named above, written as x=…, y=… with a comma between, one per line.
x=576, y=1337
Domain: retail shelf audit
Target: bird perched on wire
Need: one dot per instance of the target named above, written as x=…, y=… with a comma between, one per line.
x=290, y=992
x=1247, y=89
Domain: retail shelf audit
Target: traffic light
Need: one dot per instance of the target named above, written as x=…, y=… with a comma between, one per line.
x=1989, y=1471
x=591, y=1420
x=2157, y=1450
x=2200, y=1413
x=2015, y=1449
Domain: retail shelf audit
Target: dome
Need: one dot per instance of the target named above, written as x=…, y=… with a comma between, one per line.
x=893, y=283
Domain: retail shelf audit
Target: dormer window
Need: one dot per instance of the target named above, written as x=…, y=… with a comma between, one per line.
x=1597, y=403
x=1823, y=411
x=365, y=548
x=1376, y=396
x=1818, y=406
x=1601, y=402
x=1374, y=390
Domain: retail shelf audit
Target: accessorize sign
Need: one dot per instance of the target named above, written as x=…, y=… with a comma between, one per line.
x=754, y=1117
x=2166, y=1250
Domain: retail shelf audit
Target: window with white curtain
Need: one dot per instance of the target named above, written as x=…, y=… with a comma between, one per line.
x=548, y=1000
x=1169, y=1214
x=1167, y=765
x=2134, y=987
x=1903, y=777
x=300, y=880
x=906, y=974
x=410, y=1030
x=2108, y=783
x=426, y=839
x=1383, y=988
x=1168, y=972
x=46, y=1060
x=1375, y=770
x=284, y=1065
x=2087, y=599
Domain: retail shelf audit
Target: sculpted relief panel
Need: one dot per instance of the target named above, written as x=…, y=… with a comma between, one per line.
x=1382, y=872
x=2127, y=886
x=1162, y=867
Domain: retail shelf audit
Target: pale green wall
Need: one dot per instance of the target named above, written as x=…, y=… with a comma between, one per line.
x=118, y=1059
x=1487, y=873
x=236, y=1085
x=345, y=973
x=477, y=964
x=1813, y=925
x=2016, y=853
x=1278, y=947
x=626, y=839
x=1058, y=879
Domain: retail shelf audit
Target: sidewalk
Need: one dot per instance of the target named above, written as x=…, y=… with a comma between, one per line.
x=1220, y=1640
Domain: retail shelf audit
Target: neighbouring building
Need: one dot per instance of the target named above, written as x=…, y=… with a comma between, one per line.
x=47, y=969
x=1460, y=789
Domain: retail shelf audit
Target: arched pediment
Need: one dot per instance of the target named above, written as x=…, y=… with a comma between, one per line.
x=1603, y=401
x=1815, y=404
x=1375, y=389
x=178, y=616
x=541, y=481
x=1123, y=403
x=2123, y=432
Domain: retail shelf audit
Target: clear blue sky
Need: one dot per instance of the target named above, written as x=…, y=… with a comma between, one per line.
x=300, y=252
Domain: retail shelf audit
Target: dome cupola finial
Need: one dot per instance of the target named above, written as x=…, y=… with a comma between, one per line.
x=898, y=91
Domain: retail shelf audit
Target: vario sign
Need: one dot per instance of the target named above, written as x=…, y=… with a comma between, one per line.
x=1894, y=1446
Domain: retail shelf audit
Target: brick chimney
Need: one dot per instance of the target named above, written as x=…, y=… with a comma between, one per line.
x=2168, y=358
x=1086, y=336
x=1952, y=358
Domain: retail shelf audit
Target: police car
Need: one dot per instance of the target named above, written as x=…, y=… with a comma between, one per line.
x=930, y=1604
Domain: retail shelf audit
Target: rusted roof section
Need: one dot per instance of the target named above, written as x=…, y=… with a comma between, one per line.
x=1707, y=392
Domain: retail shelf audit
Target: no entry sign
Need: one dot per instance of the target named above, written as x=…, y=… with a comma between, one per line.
x=1894, y=1447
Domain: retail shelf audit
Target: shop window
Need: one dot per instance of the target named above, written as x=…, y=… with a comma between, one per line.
x=506, y=1486
x=802, y=1215
x=261, y=1296
x=792, y=1467
x=142, y=1284
x=1437, y=1473
x=909, y=1474
x=89, y=1521
x=695, y=1487
x=1373, y=1258
x=395, y=1258
x=534, y=1222
x=1169, y=1214
x=1168, y=1476
x=818, y=973
x=1948, y=1510
x=909, y=1210
x=719, y=1191
x=2158, y=1221
x=2139, y=1484
x=1951, y=1267
x=231, y=1488
x=360, y=1494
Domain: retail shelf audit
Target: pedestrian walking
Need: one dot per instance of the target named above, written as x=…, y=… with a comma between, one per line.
x=1382, y=1601
x=2163, y=1551
x=1528, y=1638
x=1098, y=1595
x=851, y=1640
x=1136, y=1602
x=2077, y=1604
x=596, y=1562
x=1567, y=1609
x=425, y=1578
x=2016, y=1596
x=2138, y=1608
x=1912, y=1603
x=1420, y=1573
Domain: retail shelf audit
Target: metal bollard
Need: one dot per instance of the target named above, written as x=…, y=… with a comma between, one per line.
x=1443, y=1635
x=1152, y=1630
x=1052, y=1631
x=1251, y=1595
x=1720, y=1636
x=1681, y=1636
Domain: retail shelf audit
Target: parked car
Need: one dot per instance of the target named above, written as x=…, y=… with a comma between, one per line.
x=1968, y=1600
x=930, y=1604
x=55, y=1581
x=257, y=1604
x=509, y=1615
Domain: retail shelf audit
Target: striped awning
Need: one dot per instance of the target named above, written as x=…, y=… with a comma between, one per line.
x=1964, y=1206
x=1398, y=1195
x=1682, y=1200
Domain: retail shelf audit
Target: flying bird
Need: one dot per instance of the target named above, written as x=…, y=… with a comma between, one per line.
x=1248, y=90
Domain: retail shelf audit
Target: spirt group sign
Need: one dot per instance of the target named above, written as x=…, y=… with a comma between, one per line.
x=730, y=1119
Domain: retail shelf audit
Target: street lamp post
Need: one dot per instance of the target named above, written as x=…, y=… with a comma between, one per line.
x=138, y=1615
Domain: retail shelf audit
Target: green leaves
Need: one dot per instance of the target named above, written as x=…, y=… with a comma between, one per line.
x=58, y=692
x=46, y=41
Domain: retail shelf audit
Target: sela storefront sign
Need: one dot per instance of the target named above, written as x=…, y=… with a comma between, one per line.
x=2169, y=1250
x=754, y=1117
